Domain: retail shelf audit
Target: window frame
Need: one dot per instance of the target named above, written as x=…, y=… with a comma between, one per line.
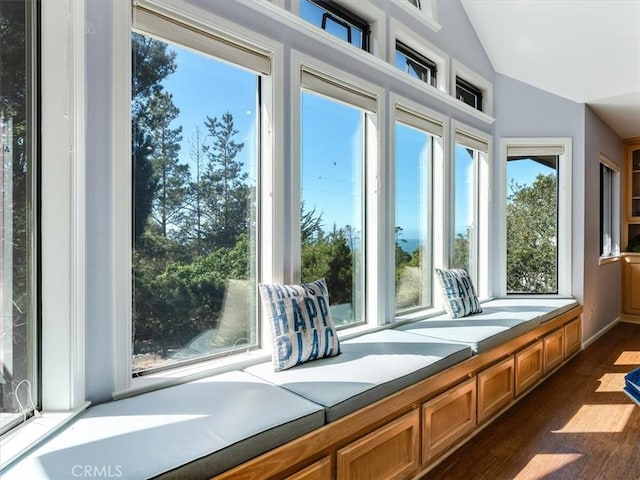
x=461, y=71
x=366, y=11
x=613, y=212
x=345, y=18
x=428, y=12
x=481, y=143
x=437, y=199
x=373, y=299
x=564, y=174
x=422, y=47
x=62, y=228
x=271, y=166
x=423, y=62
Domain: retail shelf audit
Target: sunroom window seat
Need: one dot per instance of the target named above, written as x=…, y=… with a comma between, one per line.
x=324, y=418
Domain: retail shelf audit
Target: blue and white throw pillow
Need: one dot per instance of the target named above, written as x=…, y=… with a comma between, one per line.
x=301, y=324
x=459, y=295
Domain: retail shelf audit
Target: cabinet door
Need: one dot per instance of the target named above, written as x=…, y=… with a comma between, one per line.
x=572, y=337
x=528, y=367
x=553, y=350
x=390, y=452
x=495, y=388
x=447, y=418
x=632, y=284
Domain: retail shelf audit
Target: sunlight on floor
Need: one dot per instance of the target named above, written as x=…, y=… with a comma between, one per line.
x=599, y=419
x=611, y=382
x=544, y=464
x=628, y=358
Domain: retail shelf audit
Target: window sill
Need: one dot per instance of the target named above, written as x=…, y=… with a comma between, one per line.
x=19, y=441
x=609, y=259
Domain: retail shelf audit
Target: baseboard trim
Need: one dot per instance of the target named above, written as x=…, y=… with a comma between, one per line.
x=600, y=333
x=630, y=319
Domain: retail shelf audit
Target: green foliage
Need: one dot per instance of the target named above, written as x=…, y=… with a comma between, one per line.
x=532, y=236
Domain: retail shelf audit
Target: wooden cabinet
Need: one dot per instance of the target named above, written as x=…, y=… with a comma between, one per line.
x=447, y=418
x=631, y=194
x=528, y=367
x=495, y=388
x=321, y=470
x=390, y=452
x=631, y=284
x=572, y=337
x=553, y=350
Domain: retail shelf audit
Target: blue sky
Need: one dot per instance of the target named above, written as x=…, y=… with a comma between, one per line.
x=332, y=144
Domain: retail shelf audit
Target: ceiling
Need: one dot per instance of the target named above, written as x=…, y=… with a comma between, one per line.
x=585, y=50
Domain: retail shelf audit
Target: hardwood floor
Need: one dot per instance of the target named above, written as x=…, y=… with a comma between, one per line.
x=578, y=424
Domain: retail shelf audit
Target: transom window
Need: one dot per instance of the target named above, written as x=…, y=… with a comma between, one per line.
x=468, y=93
x=416, y=65
x=336, y=20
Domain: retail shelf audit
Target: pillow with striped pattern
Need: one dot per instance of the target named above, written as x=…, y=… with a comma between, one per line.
x=458, y=293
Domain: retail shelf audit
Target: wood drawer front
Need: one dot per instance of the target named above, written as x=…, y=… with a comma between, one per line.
x=390, y=452
x=553, y=350
x=495, y=388
x=447, y=418
x=572, y=337
x=528, y=367
x=321, y=470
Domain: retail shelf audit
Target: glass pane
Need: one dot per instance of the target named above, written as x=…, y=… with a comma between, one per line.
x=416, y=68
x=195, y=147
x=413, y=218
x=334, y=23
x=18, y=380
x=464, y=210
x=332, y=209
x=532, y=225
x=606, y=210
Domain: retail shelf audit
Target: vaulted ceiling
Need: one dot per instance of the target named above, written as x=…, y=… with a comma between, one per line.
x=587, y=51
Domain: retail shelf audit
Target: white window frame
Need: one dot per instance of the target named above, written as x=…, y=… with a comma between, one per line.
x=481, y=143
x=565, y=174
x=612, y=252
x=458, y=69
x=368, y=12
x=399, y=33
x=62, y=244
x=428, y=12
x=436, y=125
x=374, y=185
x=271, y=265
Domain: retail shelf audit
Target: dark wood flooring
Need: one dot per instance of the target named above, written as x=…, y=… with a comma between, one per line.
x=578, y=424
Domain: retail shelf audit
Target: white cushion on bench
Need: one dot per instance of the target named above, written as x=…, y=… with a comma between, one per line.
x=500, y=321
x=369, y=368
x=204, y=427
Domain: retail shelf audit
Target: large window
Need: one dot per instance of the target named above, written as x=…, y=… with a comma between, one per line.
x=18, y=212
x=470, y=202
x=537, y=229
x=195, y=151
x=336, y=20
x=532, y=224
x=415, y=146
x=334, y=131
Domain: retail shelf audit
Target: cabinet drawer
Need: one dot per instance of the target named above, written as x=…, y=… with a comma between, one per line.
x=447, y=418
x=321, y=470
x=390, y=452
x=528, y=367
x=495, y=388
x=572, y=337
x=553, y=350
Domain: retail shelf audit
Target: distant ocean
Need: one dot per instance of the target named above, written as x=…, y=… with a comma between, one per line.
x=409, y=245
